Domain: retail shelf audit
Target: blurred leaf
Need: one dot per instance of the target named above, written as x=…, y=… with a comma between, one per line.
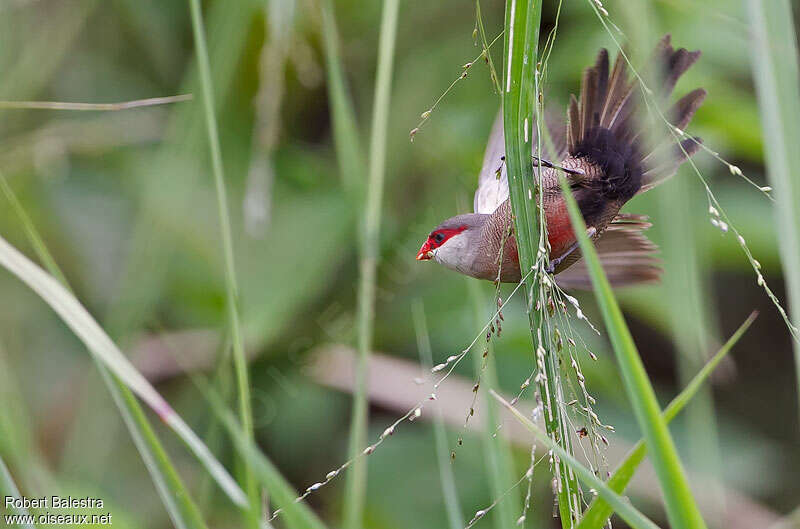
x=681, y=507
x=775, y=67
x=99, y=344
x=9, y=489
x=180, y=506
x=499, y=459
x=345, y=132
x=449, y=489
x=296, y=513
x=231, y=284
x=621, y=506
x=599, y=511
x=356, y=479
x=26, y=73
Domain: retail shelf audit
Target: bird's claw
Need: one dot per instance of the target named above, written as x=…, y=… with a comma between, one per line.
x=591, y=231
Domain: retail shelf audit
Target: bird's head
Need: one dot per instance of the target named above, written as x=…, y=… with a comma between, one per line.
x=455, y=242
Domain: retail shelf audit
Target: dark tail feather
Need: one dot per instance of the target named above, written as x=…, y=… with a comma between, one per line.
x=670, y=64
x=683, y=111
x=601, y=66
x=594, y=89
x=664, y=159
x=573, y=124
x=588, y=100
x=614, y=103
x=619, y=88
x=585, y=116
x=664, y=163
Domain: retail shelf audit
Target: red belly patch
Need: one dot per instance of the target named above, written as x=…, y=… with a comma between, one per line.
x=559, y=229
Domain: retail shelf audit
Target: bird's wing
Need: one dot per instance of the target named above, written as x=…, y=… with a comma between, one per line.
x=627, y=256
x=493, y=179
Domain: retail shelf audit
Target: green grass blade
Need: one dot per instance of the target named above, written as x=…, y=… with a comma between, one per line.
x=775, y=69
x=296, y=513
x=356, y=486
x=164, y=199
x=449, y=490
x=682, y=510
x=519, y=86
x=214, y=435
x=520, y=51
x=99, y=344
x=599, y=511
x=627, y=512
x=686, y=289
x=499, y=461
x=179, y=504
x=684, y=283
x=8, y=488
x=231, y=288
x=485, y=45
x=18, y=444
x=345, y=131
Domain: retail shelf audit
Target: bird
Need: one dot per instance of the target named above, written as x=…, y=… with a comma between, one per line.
x=607, y=155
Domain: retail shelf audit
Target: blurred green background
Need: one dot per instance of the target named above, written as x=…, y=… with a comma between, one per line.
x=125, y=201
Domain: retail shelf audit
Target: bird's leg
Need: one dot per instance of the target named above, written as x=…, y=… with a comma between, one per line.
x=591, y=231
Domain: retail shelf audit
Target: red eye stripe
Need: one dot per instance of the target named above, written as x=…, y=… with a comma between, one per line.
x=446, y=233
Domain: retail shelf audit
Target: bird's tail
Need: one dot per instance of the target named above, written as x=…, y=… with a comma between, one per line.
x=608, y=124
x=627, y=255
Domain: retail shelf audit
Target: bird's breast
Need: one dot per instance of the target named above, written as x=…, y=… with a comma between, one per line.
x=559, y=229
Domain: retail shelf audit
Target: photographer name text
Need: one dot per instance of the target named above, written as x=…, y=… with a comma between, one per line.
x=55, y=503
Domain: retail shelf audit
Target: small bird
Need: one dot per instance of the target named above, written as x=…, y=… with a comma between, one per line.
x=607, y=156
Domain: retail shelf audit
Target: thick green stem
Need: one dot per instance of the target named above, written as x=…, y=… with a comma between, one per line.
x=519, y=89
x=682, y=510
x=370, y=249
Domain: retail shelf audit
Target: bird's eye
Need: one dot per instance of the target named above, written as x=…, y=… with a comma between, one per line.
x=439, y=237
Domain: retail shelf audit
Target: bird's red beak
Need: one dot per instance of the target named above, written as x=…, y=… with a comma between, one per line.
x=424, y=252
